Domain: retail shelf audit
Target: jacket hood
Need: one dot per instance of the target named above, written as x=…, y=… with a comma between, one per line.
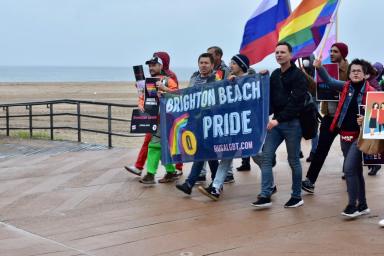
x=164, y=56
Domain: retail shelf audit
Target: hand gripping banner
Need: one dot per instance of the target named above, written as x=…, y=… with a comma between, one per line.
x=220, y=120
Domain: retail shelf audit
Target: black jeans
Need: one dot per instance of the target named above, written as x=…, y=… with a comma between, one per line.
x=326, y=138
x=196, y=170
x=353, y=170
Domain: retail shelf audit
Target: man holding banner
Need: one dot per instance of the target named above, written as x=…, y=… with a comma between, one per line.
x=239, y=67
x=288, y=89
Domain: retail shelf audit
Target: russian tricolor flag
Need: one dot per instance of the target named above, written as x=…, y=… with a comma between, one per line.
x=261, y=33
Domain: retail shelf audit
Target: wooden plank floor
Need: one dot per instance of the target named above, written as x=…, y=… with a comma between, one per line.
x=85, y=203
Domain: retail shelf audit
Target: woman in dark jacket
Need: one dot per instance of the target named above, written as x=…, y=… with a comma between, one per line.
x=345, y=121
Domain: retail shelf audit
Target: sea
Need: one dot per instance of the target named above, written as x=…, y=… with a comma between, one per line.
x=78, y=74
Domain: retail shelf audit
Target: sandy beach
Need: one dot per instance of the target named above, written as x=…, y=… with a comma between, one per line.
x=113, y=92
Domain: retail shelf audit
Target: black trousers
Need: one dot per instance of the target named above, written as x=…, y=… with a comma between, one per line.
x=326, y=138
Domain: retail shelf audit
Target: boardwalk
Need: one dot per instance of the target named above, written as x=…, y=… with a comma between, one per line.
x=82, y=202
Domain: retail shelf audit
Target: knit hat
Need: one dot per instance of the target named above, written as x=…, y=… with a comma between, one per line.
x=242, y=61
x=379, y=67
x=343, y=48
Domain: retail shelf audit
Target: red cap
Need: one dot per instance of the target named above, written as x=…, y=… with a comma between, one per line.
x=343, y=48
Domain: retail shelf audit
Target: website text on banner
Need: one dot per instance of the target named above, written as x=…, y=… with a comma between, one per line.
x=220, y=120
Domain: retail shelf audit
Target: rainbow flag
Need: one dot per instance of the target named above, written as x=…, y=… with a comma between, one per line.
x=261, y=30
x=305, y=27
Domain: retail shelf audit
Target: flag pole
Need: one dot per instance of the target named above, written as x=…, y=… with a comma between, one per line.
x=329, y=28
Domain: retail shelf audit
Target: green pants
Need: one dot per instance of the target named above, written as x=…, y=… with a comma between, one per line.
x=154, y=155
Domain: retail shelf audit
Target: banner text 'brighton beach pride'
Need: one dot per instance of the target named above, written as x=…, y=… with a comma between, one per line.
x=224, y=119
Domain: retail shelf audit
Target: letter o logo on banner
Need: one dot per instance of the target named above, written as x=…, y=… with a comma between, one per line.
x=189, y=143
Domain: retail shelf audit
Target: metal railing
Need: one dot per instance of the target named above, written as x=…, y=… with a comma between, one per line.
x=78, y=115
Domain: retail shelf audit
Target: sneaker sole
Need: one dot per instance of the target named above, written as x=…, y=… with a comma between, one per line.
x=366, y=211
x=146, y=183
x=351, y=216
x=132, y=171
x=229, y=182
x=307, y=190
x=261, y=206
x=168, y=181
x=202, y=190
x=295, y=205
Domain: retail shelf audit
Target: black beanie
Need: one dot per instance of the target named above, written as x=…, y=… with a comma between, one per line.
x=242, y=61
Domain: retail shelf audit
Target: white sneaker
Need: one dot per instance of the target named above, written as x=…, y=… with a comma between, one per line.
x=133, y=169
x=381, y=223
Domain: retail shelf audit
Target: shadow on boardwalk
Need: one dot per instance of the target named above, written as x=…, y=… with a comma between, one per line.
x=82, y=202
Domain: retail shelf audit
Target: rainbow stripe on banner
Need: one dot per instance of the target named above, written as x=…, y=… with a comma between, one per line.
x=175, y=134
x=305, y=27
x=261, y=30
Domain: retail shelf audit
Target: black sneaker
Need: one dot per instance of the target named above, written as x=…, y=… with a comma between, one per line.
x=308, y=186
x=244, y=168
x=310, y=157
x=274, y=191
x=262, y=202
x=363, y=209
x=210, y=192
x=374, y=169
x=184, y=187
x=294, y=202
x=229, y=179
x=148, y=179
x=201, y=180
x=351, y=211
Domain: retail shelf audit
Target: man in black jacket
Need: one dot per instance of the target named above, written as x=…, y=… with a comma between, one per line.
x=287, y=94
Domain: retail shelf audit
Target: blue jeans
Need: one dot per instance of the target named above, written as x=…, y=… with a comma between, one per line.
x=222, y=171
x=290, y=132
x=196, y=170
x=353, y=170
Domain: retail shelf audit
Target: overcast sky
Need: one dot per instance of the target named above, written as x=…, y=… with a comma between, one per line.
x=127, y=32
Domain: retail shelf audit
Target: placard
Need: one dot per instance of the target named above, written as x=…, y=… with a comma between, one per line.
x=323, y=92
x=373, y=125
